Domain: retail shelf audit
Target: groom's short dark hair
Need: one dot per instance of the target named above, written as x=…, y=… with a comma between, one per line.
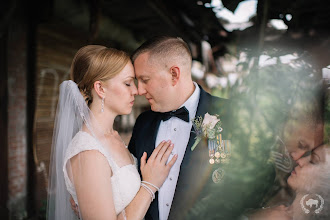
x=164, y=47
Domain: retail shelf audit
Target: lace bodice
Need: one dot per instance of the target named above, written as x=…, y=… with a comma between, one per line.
x=125, y=180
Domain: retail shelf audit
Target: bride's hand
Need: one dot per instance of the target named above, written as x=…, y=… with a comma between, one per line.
x=74, y=207
x=155, y=170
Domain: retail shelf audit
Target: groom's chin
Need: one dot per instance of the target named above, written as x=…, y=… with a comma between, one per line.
x=154, y=108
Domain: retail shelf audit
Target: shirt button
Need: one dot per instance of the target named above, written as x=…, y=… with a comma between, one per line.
x=171, y=178
x=174, y=129
x=167, y=204
x=172, y=153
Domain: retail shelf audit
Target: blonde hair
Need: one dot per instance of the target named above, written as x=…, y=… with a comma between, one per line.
x=96, y=63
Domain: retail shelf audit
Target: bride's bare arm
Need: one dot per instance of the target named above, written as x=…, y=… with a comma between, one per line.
x=92, y=180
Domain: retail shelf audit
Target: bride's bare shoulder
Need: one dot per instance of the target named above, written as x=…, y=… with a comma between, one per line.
x=87, y=152
x=90, y=161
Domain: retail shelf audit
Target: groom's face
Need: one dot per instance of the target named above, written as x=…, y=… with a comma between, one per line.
x=301, y=138
x=154, y=83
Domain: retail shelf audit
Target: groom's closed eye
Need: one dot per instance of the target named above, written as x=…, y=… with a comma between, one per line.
x=315, y=159
x=144, y=80
x=303, y=146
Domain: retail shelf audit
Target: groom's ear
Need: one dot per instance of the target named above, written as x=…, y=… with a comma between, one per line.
x=99, y=89
x=175, y=74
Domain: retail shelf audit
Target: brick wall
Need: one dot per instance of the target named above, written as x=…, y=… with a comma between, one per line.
x=17, y=118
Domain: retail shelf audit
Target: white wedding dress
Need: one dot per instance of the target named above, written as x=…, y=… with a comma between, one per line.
x=125, y=180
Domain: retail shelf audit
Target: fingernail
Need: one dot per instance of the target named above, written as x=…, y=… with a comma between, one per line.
x=172, y=145
x=169, y=141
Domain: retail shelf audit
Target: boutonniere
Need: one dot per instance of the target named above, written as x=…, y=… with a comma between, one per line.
x=210, y=128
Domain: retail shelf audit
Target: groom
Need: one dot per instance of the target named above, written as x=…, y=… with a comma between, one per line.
x=163, y=70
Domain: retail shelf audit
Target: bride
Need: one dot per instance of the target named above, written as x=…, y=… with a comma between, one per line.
x=89, y=160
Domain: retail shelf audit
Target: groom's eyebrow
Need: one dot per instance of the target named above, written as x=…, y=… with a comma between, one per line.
x=140, y=77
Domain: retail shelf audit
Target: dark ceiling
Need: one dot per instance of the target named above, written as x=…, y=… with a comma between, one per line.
x=130, y=22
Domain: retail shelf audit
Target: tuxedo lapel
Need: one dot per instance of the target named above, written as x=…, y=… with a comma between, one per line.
x=204, y=99
x=191, y=170
x=201, y=110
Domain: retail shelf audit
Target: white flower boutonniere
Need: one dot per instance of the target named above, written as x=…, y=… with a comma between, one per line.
x=209, y=127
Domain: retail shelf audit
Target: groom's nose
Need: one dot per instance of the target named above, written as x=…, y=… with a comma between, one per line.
x=297, y=154
x=141, y=89
x=303, y=160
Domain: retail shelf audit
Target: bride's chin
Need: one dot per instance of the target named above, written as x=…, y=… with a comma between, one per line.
x=126, y=112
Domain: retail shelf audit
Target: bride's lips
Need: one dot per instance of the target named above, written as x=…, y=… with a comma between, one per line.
x=132, y=102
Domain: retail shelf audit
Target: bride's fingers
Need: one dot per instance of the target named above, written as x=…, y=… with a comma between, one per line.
x=162, y=150
x=73, y=204
x=143, y=160
x=172, y=161
x=157, y=149
x=167, y=154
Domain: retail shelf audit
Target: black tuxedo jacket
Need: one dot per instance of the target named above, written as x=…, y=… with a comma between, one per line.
x=195, y=173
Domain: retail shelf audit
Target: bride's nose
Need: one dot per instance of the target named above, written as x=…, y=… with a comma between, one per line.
x=134, y=90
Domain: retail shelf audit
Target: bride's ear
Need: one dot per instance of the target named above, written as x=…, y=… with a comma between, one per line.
x=99, y=89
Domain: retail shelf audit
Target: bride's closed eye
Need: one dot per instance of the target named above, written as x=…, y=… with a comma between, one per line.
x=128, y=83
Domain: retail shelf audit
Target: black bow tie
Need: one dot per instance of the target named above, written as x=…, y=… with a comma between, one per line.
x=181, y=113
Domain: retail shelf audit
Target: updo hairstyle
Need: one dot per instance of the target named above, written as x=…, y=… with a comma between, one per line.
x=96, y=63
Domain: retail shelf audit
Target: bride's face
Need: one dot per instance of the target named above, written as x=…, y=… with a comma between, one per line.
x=306, y=174
x=120, y=91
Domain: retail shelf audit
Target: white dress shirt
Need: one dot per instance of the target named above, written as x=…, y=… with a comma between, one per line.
x=178, y=131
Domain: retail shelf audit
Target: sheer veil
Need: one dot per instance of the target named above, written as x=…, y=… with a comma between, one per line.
x=72, y=112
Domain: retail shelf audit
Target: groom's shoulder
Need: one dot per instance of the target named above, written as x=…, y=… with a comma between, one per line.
x=214, y=103
x=210, y=97
x=146, y=116
x=219, y=99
